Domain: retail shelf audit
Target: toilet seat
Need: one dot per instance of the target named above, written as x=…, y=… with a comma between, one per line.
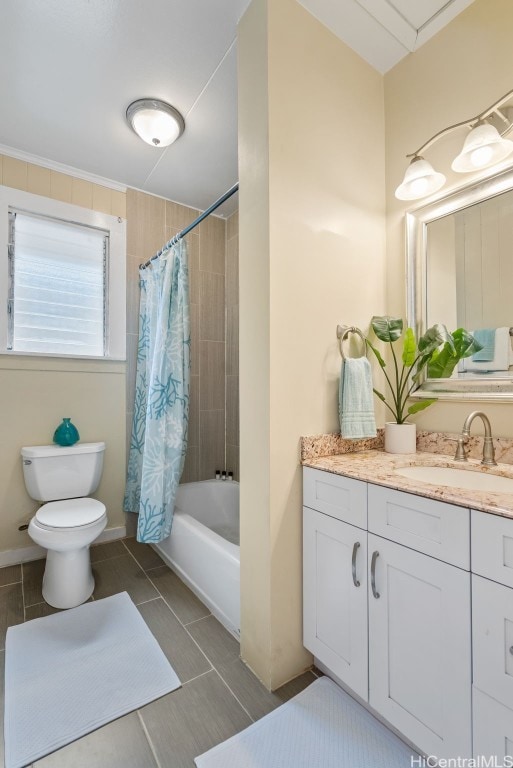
x=70, y=513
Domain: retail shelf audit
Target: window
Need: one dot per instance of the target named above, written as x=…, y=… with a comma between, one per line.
x=62, y=279
x=57, y=301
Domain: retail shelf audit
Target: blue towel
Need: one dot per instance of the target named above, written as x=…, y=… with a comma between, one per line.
x=486, y=337
x=355, y=400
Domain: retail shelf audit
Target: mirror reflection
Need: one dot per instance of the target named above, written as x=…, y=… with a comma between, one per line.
x=460, y=274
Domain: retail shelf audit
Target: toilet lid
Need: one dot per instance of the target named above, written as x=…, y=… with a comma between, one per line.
x=70, y=513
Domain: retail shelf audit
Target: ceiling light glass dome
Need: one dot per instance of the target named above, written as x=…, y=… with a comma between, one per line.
x=155, y=122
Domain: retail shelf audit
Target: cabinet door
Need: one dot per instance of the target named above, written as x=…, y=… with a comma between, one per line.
x=335, y=597
x=493, y=730
x=419, y=647
x=492, y=636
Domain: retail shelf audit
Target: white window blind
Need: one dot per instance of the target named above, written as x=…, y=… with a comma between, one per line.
x=58, y=286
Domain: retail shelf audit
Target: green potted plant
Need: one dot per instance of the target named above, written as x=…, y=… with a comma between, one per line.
x=437, y=351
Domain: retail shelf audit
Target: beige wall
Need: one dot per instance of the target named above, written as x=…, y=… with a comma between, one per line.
x=254, y=337
x=454, y=76
x=152, y=221
x=36, y=392
x=312, y=255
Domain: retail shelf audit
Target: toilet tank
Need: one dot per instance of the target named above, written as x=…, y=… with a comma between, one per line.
x=52, y=472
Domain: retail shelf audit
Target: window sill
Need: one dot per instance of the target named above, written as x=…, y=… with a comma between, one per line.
x=16, y=361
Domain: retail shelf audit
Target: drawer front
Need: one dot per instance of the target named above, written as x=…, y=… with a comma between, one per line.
x=336, y=496
x=492, y=547
x=432, y=527
x=492, y=638
x=493, y=730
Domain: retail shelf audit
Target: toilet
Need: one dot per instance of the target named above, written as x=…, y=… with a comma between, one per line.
x=68, y=522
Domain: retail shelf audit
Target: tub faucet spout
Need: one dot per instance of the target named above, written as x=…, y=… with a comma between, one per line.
x=488, y=449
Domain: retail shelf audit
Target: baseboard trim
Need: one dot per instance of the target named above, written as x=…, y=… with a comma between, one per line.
x=35, y=552
x=109, y=534
x=21, y=555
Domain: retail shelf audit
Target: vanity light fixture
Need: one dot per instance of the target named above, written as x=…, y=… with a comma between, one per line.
x=484, y=147
x=420, y=180
x=155, y=122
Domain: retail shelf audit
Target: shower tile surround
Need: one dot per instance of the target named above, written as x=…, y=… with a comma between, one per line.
x=219, y=695
x=213, y=269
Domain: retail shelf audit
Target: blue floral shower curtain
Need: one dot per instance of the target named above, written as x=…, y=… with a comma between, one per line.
x=161, y=409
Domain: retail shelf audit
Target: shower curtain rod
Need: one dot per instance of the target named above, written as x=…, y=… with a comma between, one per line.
x=192, y=225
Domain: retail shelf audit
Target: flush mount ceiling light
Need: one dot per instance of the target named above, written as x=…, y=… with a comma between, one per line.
x=155, y=122
x=483, y=148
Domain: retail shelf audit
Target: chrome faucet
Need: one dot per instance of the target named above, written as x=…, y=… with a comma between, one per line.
x=488, y=449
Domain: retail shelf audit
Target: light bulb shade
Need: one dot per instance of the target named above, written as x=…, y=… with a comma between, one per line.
x=483, y=147
x=420, y=180
x=155, y=122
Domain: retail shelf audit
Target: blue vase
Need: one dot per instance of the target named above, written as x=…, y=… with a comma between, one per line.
x=66, y=433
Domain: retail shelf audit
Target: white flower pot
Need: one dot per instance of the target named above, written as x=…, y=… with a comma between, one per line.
x=400, y=438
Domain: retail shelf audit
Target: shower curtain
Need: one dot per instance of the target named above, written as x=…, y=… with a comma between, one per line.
x=158, y=441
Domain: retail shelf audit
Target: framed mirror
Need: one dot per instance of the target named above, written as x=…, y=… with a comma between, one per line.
x=460, y=273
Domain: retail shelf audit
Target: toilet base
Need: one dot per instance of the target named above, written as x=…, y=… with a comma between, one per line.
x=68, y=579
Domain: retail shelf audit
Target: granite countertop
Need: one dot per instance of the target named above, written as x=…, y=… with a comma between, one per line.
x=376, y=466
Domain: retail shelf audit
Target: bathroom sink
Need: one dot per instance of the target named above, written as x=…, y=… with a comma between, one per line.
x=458, y=478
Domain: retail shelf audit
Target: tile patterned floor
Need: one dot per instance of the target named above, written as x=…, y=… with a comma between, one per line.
x=219, y=695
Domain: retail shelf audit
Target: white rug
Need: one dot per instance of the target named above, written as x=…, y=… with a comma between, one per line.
x=322, y=727
x=69, y=673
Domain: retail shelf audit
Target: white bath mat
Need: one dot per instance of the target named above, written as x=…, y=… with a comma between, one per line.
x=69, y=673
x=322, y=727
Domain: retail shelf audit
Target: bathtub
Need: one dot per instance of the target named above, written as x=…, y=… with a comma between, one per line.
x=203, y=548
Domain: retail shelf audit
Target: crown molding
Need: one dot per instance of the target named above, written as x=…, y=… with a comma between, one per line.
x=68, y=170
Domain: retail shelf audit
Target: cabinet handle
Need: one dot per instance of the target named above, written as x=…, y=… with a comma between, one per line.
x=356, y=546
x=511, y=650
x=375, y=556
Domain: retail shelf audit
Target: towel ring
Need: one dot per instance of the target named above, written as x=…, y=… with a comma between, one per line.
x=343, y=332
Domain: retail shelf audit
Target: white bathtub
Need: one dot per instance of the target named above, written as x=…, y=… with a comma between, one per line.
x=203, y=548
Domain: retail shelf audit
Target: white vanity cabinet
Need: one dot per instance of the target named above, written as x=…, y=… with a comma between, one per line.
x=335, y=597
x=401, y=639
x=492, y=634
x=419, y=639
x=340, y=497
x=434, y=528
x=335, y=575
x=419, y=647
